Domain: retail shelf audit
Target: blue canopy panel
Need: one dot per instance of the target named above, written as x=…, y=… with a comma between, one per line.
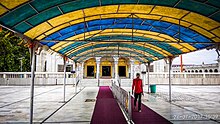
x=170, y=29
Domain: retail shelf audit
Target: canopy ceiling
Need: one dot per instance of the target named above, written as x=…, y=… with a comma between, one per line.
x=146, y=30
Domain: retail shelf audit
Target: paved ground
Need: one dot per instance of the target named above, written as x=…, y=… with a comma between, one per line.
x=191, y=104
x=14, y=104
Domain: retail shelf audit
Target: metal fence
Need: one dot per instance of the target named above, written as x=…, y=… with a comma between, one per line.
x=124, y=99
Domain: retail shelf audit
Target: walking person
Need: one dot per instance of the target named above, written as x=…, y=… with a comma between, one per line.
x=137, y=89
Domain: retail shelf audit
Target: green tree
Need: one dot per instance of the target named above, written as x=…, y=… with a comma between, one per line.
x=11, y=53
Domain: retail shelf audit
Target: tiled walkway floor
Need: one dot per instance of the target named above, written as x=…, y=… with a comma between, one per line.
x=190, y=104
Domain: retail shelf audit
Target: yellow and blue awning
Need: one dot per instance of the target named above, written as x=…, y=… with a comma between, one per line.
x=148, y=30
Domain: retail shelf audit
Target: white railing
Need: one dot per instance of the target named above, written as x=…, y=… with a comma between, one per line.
x=37, y=75
x=41, y=78
x=183, y=75
x=184, y=78
x=56, y=78
x=70, y=75
x=124, y=99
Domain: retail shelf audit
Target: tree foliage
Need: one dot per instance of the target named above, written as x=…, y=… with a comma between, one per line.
x=11, y=53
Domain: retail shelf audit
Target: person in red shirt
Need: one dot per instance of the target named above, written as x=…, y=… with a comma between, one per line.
x=137, y=89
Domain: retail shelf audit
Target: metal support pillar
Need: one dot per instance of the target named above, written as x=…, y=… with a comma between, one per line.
x=132, y=33
x=170, y=67
x=33, y=48
x=148, y=77
x=64, y=82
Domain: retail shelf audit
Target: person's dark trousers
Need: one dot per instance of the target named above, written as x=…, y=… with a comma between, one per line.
x=137, y=96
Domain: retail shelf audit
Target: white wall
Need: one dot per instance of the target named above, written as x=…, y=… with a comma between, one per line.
x=160, y=66
x=52, y=62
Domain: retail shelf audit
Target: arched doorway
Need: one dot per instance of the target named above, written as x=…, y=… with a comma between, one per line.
x=90, y=68
x=123, y=67
x=106, y=69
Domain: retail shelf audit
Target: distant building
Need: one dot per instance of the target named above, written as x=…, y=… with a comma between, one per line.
x=53, y=62
x=211, y=68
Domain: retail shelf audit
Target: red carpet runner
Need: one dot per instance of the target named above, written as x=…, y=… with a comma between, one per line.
x=106, y=109
x=147, y=116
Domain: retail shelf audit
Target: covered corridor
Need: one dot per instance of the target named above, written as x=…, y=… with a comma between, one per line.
x=106, y=39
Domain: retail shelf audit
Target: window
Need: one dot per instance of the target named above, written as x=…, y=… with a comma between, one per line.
x=60, y=68
x=69, y=68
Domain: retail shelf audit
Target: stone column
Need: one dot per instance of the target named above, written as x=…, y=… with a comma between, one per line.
x=218, y=64
x=132, y=69
x=98, y=61
x=218, y=59
x=116, y=67
x=82, y=70
x=77, y=69
x=74, y=66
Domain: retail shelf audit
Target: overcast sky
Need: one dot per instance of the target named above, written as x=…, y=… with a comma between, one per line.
x=206, y=56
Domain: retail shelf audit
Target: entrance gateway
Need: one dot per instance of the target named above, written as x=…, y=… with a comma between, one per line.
x=106, y=67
